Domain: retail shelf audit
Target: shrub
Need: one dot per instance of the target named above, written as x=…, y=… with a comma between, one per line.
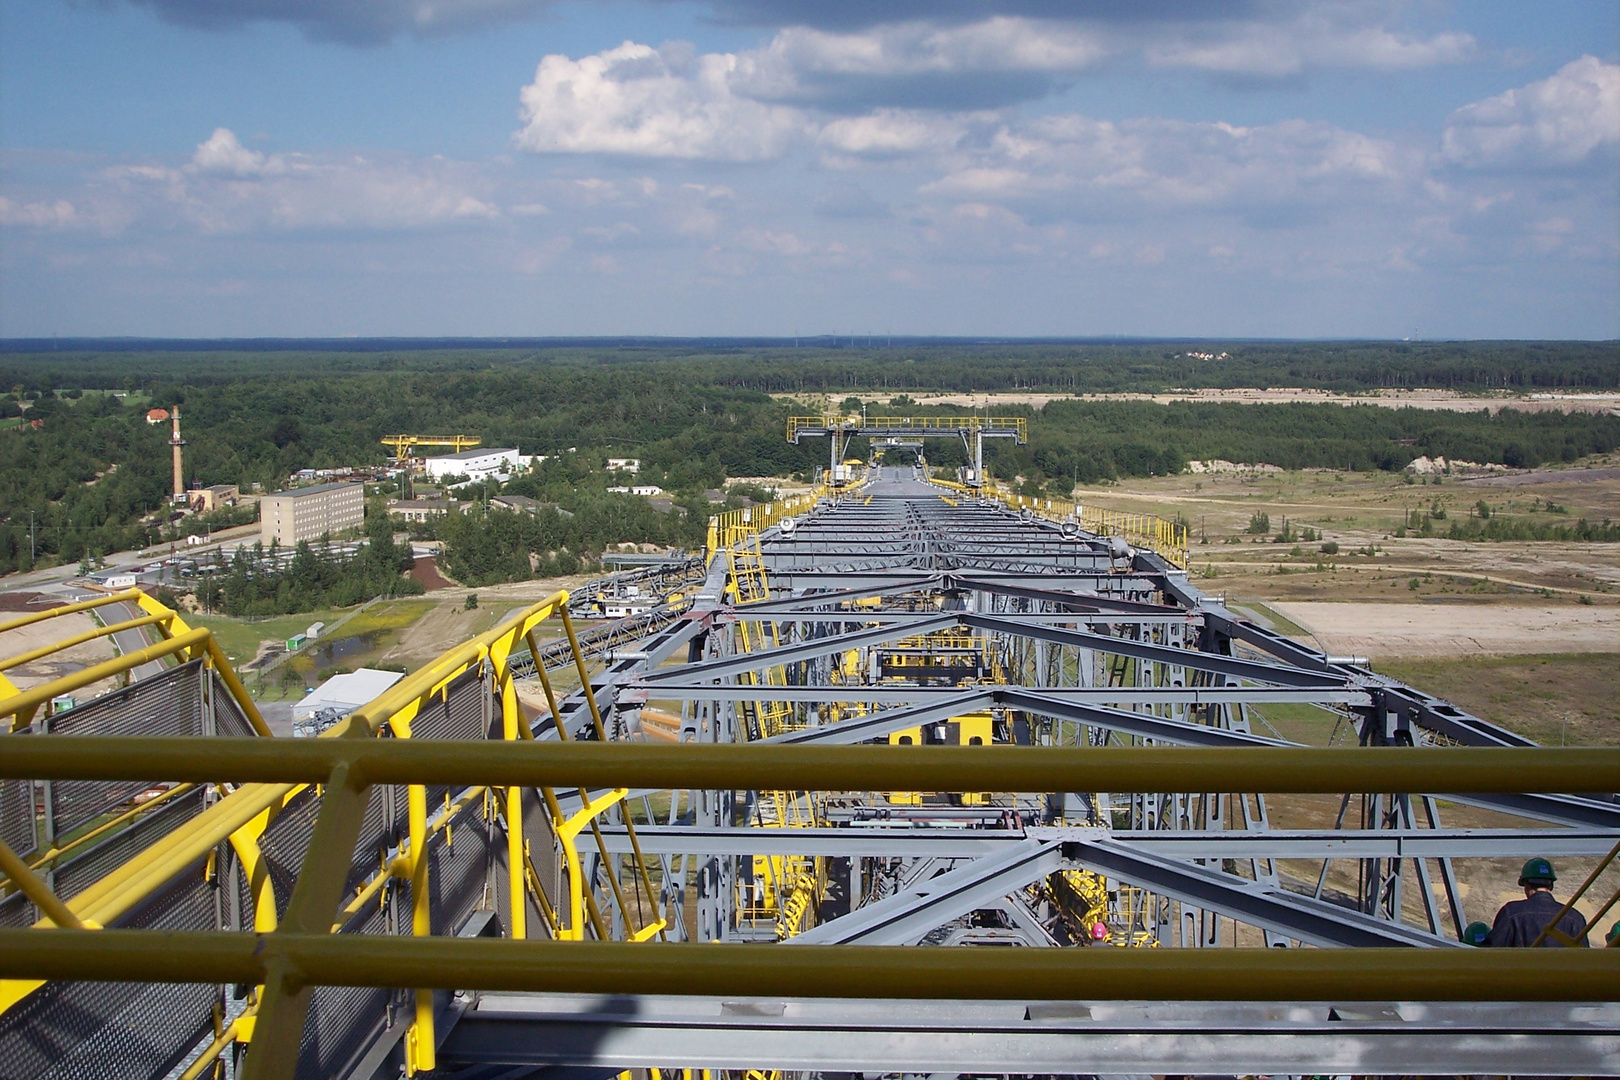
x=1330, y=548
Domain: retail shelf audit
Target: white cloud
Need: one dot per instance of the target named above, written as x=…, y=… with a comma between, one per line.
x=1314, y=36
x=641, y=101
x=55, y=214
x=1076, y=161
x=1563, y=120
x=222, y=153
x=227, y=189
x=891, y=132
x=798, y=56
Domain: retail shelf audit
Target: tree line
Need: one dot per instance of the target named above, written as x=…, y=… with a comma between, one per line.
x=256, y=581
x=93, y=477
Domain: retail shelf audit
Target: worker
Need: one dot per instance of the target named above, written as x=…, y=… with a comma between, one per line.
x=1520, y=922
x=1476, y=934
x=1613, y=940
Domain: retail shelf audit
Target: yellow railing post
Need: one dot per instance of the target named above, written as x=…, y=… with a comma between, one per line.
x=516, y=897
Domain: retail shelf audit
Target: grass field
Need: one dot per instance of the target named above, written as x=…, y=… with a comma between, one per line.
x=240, y=638
x=1558, y=700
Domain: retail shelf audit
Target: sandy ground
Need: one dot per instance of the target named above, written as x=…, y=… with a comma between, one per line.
x=28, y=638
x=1394, y=399
x=1544, y=476
x=1410, y=630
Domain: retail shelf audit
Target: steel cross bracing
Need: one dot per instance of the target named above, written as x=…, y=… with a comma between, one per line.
x=901, y=612
x=896, y=560
x=1087, y=642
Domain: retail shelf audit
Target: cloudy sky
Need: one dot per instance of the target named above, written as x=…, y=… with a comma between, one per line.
x=1317, y=168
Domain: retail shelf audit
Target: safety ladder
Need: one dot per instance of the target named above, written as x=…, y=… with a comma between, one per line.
x=788, y=884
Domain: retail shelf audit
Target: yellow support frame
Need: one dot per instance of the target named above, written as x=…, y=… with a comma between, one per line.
x=242, y=815
x=285, y=960
x=302, y=953
x=403, y=444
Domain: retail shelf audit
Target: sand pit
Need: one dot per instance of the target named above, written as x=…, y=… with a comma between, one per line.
x=1412, y=630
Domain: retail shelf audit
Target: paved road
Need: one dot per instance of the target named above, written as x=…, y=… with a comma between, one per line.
x=128, y=641
x=57, y=580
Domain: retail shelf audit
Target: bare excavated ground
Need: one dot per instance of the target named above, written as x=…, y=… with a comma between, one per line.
x=1393, y=399
x=1468, y=626
x=1362, y=513
x=57, y=665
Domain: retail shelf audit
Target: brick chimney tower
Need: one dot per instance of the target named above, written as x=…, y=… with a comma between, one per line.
x=177, y=443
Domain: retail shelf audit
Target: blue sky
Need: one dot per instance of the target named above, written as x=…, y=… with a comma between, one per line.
x=1320, y=168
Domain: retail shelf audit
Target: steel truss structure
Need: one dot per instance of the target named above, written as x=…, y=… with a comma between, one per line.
x=914, y=723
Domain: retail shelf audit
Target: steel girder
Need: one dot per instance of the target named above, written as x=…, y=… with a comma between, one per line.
x=1089, y=695
x=1144, y=594
x=907, y=917
x=1312, y=921
x=904, y=839
x=1066, y=1038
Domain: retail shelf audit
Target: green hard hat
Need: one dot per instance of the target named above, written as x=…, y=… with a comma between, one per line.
x=1537, y=872
x=1476, y=933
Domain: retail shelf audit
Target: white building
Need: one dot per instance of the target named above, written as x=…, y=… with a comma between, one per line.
x=623, y=464
x=476, y=464
x=345, y=693
x=646, y=489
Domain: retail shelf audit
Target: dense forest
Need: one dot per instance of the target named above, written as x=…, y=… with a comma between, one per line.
x=862, y=364
x=253, y=584
x=81, y=473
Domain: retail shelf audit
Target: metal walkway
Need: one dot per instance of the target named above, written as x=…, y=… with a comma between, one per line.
x=917, y=722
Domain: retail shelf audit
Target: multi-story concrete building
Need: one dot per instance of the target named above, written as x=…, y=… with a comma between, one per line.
x=310, y=513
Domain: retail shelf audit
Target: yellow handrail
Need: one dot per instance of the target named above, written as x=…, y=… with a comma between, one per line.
x=1167, y=538
x=732, y=526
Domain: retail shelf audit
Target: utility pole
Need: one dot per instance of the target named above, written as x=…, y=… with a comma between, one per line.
x=32, y=554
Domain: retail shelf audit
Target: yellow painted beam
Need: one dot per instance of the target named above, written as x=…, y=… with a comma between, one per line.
x=591, y=967
x=36, y=890
x=321, y=878
x=816, y=768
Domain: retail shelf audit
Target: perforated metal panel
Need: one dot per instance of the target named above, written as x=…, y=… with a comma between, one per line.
x=115, y=1031
x=377, y=836
x=459, y=714
x=81, y=871
x=17, y=813
x=15, y=910
x=229, y=719
x=284, y=843
x=457, y=872
x=169, y=703
x=343, y=1020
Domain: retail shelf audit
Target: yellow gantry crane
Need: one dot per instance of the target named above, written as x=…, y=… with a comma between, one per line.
x=404, y=444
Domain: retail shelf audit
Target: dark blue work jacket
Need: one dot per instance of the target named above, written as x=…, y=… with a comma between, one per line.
x=1521, y=921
